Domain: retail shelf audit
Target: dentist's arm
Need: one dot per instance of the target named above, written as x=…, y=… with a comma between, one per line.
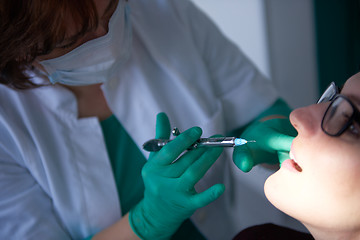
x=121, y=230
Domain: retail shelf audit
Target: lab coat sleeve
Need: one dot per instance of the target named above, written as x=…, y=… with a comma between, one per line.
x=243, y=90
x=25, y=209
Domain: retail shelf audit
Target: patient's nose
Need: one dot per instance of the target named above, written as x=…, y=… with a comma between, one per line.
x=307, y=120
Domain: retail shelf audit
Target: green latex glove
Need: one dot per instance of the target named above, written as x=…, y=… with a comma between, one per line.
x=273, y=141
x=170, y=197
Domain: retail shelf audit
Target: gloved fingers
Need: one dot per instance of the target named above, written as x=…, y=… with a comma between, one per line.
x=243, y=159
x=179, y=166
x=182, y=164
x=283, y=156
x=198, y=169
x=279, y=142
x=209, y=195
x=171, y=151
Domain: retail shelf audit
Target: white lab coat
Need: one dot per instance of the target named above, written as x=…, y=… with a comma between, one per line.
x=56, y=181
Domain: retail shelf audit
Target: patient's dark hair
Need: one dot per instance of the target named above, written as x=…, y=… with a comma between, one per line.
x=31, y=28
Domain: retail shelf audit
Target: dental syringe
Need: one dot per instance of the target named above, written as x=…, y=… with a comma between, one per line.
x=155, y=145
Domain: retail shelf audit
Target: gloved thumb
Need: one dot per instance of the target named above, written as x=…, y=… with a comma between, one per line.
x=280, y=142
x=162, y=126
x=162, y=130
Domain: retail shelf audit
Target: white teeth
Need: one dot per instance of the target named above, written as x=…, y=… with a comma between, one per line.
x=292, y=156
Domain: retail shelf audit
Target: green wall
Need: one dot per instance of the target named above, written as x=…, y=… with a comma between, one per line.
x=337, y=26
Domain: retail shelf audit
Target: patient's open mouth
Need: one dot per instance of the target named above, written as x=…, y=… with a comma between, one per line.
x=291, y=164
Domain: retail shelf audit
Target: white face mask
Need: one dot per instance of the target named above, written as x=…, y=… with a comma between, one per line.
x=94, y=61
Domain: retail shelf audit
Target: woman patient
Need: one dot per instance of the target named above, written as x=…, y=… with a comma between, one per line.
x=320, y=184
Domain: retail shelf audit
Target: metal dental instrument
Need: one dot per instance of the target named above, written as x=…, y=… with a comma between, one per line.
x=155, y=145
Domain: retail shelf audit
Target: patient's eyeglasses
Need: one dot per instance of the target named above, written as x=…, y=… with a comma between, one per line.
x=340, y=114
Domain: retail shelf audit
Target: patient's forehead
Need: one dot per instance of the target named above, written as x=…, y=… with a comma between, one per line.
x=352, y=85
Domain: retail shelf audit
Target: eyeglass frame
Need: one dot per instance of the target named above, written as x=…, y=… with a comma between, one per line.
x=335, y=94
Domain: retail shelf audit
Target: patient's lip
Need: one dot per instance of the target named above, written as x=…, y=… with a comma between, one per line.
x=291, y=165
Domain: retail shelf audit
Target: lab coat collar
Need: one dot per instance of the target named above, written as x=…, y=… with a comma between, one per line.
x=62, y=101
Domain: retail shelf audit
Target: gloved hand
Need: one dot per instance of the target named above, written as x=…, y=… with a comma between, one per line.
x=273, y=141
x=170, y=197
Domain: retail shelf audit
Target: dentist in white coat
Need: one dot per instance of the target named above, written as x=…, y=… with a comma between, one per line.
x=71, y=151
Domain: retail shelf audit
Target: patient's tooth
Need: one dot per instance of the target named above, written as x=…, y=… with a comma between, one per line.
x=292, y=156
